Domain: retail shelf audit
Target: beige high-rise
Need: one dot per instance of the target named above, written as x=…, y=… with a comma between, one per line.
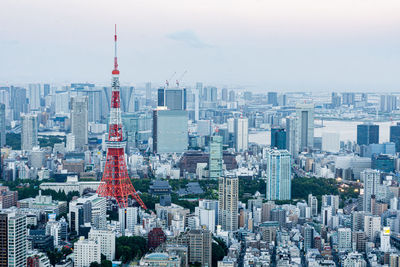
x=228, y=202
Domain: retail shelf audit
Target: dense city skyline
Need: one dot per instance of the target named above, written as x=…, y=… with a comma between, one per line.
x=243, y=162
x=280, y=45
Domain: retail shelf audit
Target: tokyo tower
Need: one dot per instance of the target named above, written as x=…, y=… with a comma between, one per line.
x=116, y=182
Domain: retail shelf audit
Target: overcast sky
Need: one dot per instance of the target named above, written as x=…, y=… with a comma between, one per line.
x=256, y=44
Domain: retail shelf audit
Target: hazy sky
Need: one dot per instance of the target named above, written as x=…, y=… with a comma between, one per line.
x=261, y=44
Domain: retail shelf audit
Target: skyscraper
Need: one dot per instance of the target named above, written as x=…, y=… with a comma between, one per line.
x=106, y=239
x=34, y=96
x=95, y=105
x=278, y=175
x=371, y=180
x=388, y=103
x=291, y=136
x=224, y=94
x=395, y=135
x=79, y=121
x=241, y=129
x=170, y=131
x=336, y=100
x=29, y=131
x=308, y=237
x=172, y=98
x=344, y=239
x=331, y=142
x=228, y=194
x=313, y=204
x=215, y=161
x=348, y=98
x=305, y=126
x=367, y=134
x=200, y=249
x=278, y=138
x=86, y=252
x=272, y=98
x=372, y=226
x=2, y=125
x=46, y=89
x=12, y=239
x=148, y=93
x=18, y=102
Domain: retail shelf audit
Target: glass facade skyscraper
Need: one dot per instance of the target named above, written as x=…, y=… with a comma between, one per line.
x=395, y=135
x=170, y=131
x=278, y=175
x=278, y=138
x=367, y=134
x=215, y=161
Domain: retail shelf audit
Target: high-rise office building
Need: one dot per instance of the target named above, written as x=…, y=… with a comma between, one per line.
x=148, y=93
x=200, y=249
x=395, y=135
x=18, y=102
x=232, y=96
x=197, y=96
x=86, y=251
x=29, y=131
x=291, y=136
x=172, y=98
x=79, y=121
x=241, y=128
x=272, y=98
x=388, y=103
x=12, y=239
x=228, y=197
x=305, y=126
x=372, y=226
x=128, y=99
x=367, y=134
x=384, y=163
x=2, y=125
x=215, y=161
x=344, y=239
x=46, y=89
x=170, y=131
x=313, y=204
x=336, y=100
x=95, y=104
x=371, y=180
x=128, y=218
x=326, y=212
x=358, y=240
x=34, y=96
x=331, y=201
x=308, y=237
x=331, y=142
x=106, y=240
x=224, y=94
x=278, y=138
x=278, y=172
x=61, y=101
x=348, y=98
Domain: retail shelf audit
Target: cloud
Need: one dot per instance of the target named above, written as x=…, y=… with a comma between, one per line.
x=189, y=38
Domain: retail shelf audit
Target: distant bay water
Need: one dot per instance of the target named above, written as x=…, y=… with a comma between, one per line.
x=346, y=129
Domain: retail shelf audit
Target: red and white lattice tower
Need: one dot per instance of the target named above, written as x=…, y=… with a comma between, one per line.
x=116, y=182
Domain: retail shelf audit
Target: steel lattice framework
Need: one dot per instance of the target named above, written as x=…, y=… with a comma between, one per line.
x=116, y=182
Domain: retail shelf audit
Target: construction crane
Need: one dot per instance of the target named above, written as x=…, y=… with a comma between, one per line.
x=180, y=78
x=172, y=76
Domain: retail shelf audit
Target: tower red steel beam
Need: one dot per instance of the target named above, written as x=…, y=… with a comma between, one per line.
x=116, y=182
